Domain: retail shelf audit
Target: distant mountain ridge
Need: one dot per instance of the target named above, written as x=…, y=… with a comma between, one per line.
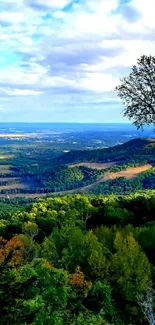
x=142, y=150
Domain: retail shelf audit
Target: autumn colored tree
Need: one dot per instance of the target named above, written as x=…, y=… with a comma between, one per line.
x=59, y=269
x=11, y=251
x=11, y=258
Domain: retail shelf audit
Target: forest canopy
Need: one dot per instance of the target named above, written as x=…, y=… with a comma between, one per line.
x=78, y=260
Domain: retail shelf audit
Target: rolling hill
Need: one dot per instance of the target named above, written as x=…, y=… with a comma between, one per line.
x=137, y=149
x=124, y=168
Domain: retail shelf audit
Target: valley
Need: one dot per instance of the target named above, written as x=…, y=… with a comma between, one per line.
x=25, y=186
x=77, y=162
x=74, y=202
x=46, y=162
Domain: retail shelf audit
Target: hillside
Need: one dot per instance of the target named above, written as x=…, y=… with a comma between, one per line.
x=77, y=259
x=122, y=169
x=137, y=149
x=85, y=170
x=33, y=171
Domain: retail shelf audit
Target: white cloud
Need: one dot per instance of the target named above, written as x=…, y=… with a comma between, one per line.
x=24, y=92
x=146, y=8
x=54, y=4
x=11, y=17
x=99, y=82
x=18, y=92
x=79, y=54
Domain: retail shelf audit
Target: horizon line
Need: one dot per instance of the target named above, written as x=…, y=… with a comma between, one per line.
x=29, y=122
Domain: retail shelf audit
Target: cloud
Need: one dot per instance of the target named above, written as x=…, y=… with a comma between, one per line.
x=52, y=4
x=22, y=92
x=70, y=54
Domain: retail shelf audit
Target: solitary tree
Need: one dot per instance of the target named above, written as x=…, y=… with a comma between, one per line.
x=137, y=91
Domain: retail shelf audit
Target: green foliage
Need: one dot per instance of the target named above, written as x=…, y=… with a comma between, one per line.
x=96, y=256
x=100, y=298
x=137, y=92
x=77, y=260
x=30, y=229
x=88, y=319
x=130, y=267
x=47, y=295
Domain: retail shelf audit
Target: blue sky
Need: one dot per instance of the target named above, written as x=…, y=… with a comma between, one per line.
x=61, y=59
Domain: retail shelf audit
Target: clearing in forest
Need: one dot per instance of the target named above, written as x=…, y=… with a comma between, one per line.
x=13, y=186
x=5, y=169
x=16, y=135
x=16, y=183
x=2, y=157
x=128, y=173
x=98, y=166
x=9, y=179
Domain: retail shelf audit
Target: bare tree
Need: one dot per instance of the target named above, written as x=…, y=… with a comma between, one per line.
x=137, y=91
x=146, y=303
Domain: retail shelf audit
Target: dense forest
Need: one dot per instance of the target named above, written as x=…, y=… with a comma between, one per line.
x=78, y=260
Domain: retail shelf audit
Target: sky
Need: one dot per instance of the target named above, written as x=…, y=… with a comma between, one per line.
x=60, y=60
